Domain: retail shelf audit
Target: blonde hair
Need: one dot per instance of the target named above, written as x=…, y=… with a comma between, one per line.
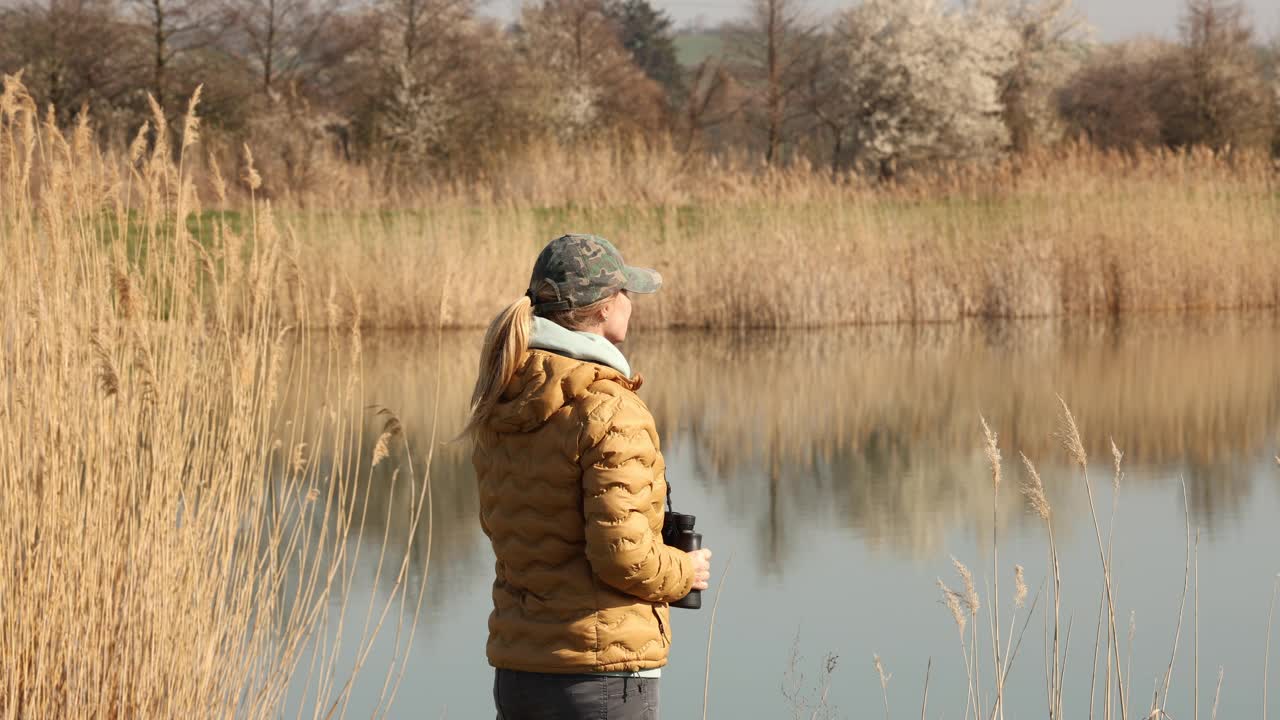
x=507, y=341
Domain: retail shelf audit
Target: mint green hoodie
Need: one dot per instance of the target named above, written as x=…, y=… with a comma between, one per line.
x=549, y=336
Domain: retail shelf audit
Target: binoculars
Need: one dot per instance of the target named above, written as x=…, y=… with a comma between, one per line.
x=678, y=532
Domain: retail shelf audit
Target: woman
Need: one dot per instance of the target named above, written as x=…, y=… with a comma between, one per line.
x=572, y=488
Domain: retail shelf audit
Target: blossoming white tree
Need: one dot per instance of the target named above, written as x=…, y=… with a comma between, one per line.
x=923, y=81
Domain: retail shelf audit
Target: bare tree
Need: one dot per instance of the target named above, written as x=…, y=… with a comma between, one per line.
x=772, y=50
x=1273, y=69
x=709, y=102
x=174, y=28
x=1214, y=92
x=1109, y=101
x=74, y=52
x=289, y=41
x=832, y=110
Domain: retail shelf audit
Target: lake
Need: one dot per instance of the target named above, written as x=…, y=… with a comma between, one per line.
x=841, y=470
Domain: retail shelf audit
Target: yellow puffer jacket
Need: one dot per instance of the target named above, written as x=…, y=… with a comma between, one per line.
x=572, y=489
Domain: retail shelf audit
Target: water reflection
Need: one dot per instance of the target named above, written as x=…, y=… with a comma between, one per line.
x=863, y=438
x=880, y=425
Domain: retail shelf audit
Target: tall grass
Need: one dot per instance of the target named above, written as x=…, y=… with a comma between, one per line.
x=1072, y=231
x=1066, y=231
x=172, y=543
x=1110, y=671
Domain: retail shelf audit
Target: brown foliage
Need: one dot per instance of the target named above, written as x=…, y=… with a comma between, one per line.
x=1209, y=90
x=1110, y=103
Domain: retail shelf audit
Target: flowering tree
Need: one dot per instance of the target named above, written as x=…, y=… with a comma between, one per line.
x=419, y=51
x=922, y=82
x=580, y=78
x=433, y=82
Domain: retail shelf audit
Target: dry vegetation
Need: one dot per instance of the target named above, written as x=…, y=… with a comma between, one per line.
x=1071, y=232
x=180, y=493
x=172, y=545
x=990, y=648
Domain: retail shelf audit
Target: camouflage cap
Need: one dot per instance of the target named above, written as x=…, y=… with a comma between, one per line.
x=583, y=269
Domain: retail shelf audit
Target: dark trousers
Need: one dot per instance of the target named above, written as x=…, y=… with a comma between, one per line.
x=541, y=696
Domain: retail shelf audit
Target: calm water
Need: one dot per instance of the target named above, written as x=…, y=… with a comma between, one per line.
x=841, y=470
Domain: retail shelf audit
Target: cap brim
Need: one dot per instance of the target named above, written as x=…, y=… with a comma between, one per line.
x=642, y=280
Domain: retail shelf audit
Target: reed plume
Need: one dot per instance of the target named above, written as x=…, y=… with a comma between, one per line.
x=218, y=497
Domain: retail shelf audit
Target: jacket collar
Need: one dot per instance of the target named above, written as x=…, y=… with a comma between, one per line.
x=549, y=336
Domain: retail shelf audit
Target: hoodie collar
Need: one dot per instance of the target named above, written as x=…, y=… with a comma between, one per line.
x=547, y=335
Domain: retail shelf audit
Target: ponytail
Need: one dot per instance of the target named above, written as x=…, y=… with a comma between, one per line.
x=505, y=344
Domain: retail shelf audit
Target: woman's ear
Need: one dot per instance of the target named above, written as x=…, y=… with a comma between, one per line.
x=603, y=315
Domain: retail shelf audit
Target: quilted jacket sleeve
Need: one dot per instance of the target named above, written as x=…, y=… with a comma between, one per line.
x=619, y=470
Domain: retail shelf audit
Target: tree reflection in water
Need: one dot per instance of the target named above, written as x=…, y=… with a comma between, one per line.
x=876, y=429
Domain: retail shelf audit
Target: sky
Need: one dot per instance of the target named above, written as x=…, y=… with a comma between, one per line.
x=1111, y=19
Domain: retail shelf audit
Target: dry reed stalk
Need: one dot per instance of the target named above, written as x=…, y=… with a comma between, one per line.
x=711, y=628
x=1133, y=633
x=1217, y=693
x=1075, y=447
x=1033, y=490
x=425, y=495
x=1266, y=658
x=956, y=604
x=1019, y=600
x=884, y=683
x=1195, y=612
x=1012, y=654
x=924, y=702
x=1186, y=581
x=992, y=451
x=828, y=669
x=961, y=604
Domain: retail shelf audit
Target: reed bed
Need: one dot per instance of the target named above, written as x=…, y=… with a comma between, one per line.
x=1068, y=232
x=1064, y=231
x=171, y=544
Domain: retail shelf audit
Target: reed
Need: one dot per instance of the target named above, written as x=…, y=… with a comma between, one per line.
x=1064, y=231
x=960, y=603
x=175, y=503
x=1069, y=232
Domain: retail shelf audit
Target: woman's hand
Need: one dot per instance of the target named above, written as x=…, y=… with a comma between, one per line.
x=701, y=568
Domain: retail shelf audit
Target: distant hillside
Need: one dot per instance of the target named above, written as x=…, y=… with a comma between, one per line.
x=694, y=47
